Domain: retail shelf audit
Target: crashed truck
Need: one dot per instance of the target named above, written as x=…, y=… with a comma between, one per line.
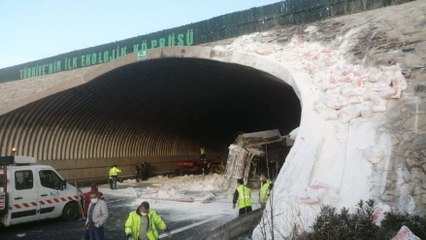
x=31, y=192
x=253, y=153
x=249, y=155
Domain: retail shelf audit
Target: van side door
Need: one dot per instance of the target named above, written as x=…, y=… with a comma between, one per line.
x=23, y=195
x=50, y=194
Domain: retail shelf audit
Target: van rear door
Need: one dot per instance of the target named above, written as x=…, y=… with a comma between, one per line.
x=23, y=193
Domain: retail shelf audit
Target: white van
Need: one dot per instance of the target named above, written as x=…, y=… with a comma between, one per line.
x=31, y=192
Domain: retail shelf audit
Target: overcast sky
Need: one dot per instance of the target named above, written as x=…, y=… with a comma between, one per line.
x=35, y=29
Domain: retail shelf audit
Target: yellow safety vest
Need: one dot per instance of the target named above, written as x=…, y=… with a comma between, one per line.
x=133, y=224
x=264, y=191
x=244, y=199
x=114, y=172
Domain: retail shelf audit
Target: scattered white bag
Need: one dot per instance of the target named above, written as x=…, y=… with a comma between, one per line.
x=379, y=105
x=325, y=112
x=334, y=101
x=387, y=92
x=379, y=213
x=405, y=234
x=366, y=109
x=350, y=112
x=293, y=134
x=398, y=84
x=315, y=193
x=374, y=154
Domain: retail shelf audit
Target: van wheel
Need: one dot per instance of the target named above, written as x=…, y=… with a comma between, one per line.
x=70, y=211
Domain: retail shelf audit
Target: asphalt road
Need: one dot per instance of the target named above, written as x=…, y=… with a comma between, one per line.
x=57, y=229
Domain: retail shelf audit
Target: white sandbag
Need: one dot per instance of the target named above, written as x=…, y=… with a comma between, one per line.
x=373, y=75
x=355, y=99
x=387, y=92
x=398, y=84
x=377, y=87
x=328, y=57
x=374, y=154
x=370, y=94
x=325, y=86
x=379, y=105
x=359, y=91
x=366, y=109
x=293, y=134
x=325, y=112
x=405, y=234
x=348, y=113
x=379, y=213
x=358, y=82
x=314, y=193
x=346, y=89
x=334, y=101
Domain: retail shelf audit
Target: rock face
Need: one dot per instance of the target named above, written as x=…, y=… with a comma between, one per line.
x=360, y=80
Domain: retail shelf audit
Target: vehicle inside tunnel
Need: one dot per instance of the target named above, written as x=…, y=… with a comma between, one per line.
x=161, y=111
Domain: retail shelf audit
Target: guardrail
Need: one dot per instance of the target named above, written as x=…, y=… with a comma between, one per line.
x=235, y=228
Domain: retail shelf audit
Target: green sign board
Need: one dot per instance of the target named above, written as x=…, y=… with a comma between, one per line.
x=218, y=28
x=142, y=55
x=103, y=56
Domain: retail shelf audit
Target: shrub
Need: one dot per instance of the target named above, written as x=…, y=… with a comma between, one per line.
x=393, y=222
x=331, y=224
x=343, y=225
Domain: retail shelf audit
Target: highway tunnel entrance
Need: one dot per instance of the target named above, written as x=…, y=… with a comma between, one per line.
x=161, y=111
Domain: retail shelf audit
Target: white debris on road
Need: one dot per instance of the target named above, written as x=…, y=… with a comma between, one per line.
x=193, y=196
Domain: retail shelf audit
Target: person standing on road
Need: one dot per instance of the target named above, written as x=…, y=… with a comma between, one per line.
x=146, y=170
x=142, y=224
x=243, y=195
x=265, y=188
x=139, y=172
x=86, y=197
x=96, y=217
x=86, y=203
x=202, y=154
x=113, y=174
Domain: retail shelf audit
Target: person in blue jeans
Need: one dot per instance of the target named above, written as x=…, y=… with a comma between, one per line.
x=96, y=217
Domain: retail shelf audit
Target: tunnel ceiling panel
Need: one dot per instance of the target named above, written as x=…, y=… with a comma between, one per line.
x=198, y=99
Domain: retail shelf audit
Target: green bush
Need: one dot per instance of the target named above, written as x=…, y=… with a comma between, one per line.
x=343, y=225
x=331, y=224
x=393, y=222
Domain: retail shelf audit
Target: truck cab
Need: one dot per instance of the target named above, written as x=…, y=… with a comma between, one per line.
x=31, y=192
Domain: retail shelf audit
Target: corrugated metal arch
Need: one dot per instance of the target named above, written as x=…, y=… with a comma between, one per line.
x=159, y=108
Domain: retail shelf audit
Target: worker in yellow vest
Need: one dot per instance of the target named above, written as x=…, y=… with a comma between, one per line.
x=202, y=154
x=113, y=174
x=265, y=188
x=243, y=195
x=143, y=224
